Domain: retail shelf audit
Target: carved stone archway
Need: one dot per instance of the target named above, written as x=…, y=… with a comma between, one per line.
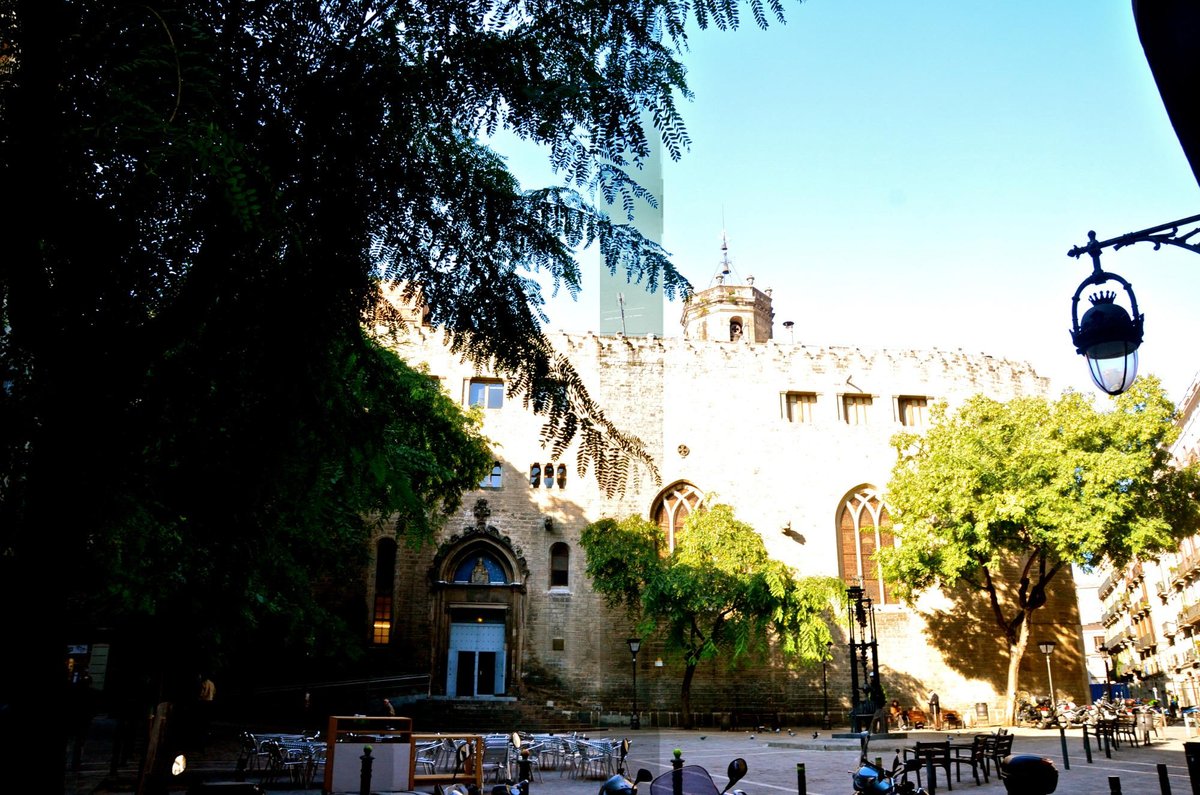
x=478, y=584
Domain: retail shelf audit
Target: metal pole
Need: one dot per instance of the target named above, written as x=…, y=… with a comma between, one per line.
x=634, y=721
x=1050, y=676
x=1164, y=783
x=1062, y=736
x=825, y=693
x=1087, y=746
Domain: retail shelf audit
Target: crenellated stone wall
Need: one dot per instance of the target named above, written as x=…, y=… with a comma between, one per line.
x=715, y=414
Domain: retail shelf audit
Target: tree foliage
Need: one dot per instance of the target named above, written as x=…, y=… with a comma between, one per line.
x=1044, y=484
x=716, y=593
x=202, y=199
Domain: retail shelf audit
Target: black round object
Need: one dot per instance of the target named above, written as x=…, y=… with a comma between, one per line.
x=1026, y=774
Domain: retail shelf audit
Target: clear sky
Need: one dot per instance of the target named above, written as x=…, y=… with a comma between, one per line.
x=912, y=174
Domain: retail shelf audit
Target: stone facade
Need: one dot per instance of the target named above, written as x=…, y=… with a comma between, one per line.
x=789, y=433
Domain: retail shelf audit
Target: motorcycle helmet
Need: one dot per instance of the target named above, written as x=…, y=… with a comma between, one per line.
x=1026, y=774
x=870, y=779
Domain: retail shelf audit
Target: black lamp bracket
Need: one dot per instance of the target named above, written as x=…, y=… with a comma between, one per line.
x=1162, y=235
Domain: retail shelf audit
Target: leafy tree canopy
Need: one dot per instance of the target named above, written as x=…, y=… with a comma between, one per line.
x=202, y=198
x=717, y=592
x=1043, y=483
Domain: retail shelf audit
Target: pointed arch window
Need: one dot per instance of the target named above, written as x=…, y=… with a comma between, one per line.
x=864, y=526
x=385, y=579
x=673, y=507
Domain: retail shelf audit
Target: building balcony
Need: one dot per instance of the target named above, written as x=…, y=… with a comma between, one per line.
x=1151, y=667
x=1107, y=585
x=1133, y=573
x=1139, y=606
x=1189, y=615
x=1186, y=570
x=1145, y=642
x=1169, y=629
x=1163, y=590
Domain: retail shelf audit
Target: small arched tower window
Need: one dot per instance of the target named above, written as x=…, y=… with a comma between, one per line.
x=548, y=475
x=560, y=565
x=735, y=329
x=535, y=475
x=562, y=476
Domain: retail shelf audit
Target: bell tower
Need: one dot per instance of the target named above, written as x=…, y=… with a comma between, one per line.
x=727, y=311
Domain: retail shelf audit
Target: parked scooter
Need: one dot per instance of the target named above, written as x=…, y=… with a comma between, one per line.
x=874, y=779
x=697, y=781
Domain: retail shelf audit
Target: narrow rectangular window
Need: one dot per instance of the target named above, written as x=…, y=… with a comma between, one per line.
x=383, y=620
x=800, y=406
x=912, y=410
x=492, y=480
x=855, y=409
x=486, y=393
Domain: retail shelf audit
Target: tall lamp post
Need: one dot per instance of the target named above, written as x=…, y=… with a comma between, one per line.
x=826, y=723
x=635, y=722
x=1047, y=648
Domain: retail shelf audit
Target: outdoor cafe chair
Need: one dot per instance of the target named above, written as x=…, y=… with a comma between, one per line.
x=999, y=745
x=926, y=754
x=973, y=756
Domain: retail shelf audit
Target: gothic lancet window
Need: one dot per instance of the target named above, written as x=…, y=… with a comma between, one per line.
x=673, y=507
x=864, y=526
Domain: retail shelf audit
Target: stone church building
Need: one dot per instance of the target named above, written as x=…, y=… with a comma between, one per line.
x=794, y=435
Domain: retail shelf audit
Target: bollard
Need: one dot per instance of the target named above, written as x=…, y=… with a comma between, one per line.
x=1114, y=785
x=1164, y=783
x=677, y=773
x=1191, y=752
x=801, y=780
x=1062, y=736
x=364, y=780
x=1087, y=745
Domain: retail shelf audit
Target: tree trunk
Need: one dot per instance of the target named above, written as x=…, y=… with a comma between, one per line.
x=1016, y=651
x=685, y=697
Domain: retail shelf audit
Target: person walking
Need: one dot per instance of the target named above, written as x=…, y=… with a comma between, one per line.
x=205, y=695
x=80, y=706
x=935, y=711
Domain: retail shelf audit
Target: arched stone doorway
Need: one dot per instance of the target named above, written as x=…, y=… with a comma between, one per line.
x=478, y=586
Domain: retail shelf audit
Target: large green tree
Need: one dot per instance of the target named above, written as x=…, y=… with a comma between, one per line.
x=717, y=593
x=201, y=198
x=1041, y=485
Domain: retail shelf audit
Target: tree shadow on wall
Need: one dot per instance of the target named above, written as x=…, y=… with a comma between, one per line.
x=967, y=636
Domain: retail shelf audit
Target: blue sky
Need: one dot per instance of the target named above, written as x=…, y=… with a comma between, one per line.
x=912, y=175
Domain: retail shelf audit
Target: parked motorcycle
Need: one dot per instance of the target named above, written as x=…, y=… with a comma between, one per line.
x=874, y=779
x=697, y=781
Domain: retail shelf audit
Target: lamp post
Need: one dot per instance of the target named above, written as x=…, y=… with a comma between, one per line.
x=826, y=723
x=1108, y=336
x=634, y=644
x=1047, y=647
x=1107, y=677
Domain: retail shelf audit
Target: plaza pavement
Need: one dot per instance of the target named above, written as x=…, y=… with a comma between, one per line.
x=772, y=759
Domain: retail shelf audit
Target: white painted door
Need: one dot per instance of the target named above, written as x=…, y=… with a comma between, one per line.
x=476, y=660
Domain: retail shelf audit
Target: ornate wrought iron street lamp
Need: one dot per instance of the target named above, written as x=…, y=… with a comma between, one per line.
x=864, y=697
x=1108, y=335
x=635, y=722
